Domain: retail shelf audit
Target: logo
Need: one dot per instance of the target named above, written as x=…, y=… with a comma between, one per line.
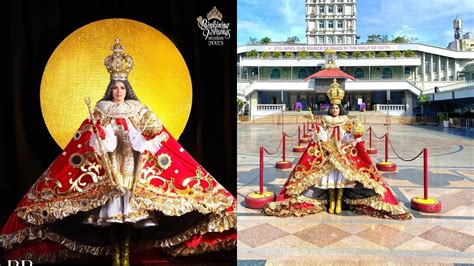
x=17, y=263
x=214, y=30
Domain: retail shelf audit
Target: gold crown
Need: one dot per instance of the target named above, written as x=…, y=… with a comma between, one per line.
x=335, y=93
x=330, y=57
x=214, y=13
x=118, y=64
x=329, y=51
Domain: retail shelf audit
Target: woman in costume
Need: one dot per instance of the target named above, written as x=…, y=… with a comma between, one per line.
x=123, y=188
x=334, y=170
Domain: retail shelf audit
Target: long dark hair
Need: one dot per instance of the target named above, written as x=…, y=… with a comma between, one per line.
x=130, y=95
x=341, y=109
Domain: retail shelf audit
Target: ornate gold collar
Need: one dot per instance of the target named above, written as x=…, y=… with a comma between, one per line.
x=119, y=110
x=334, y=121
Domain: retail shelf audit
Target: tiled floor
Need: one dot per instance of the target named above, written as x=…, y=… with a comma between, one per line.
x=444, y=238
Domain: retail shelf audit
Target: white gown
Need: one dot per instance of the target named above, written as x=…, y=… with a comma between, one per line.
x=334, y=179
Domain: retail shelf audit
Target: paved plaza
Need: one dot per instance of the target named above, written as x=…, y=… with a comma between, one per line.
x=445, y=238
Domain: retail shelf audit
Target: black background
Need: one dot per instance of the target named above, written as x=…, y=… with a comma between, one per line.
x=36, y=28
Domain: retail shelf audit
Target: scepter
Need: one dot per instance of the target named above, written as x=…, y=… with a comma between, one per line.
x=105, y=162
x=315, y=131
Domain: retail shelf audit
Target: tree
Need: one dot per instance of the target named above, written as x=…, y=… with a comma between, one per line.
x=382, y=54
x=357, y=54
x=288, y=55
x=408, y=53
x=265, y=40
x=303, y=54
x=252, y=41
x=316, y=55
x=293, y=40
x=404, y=39
x=251, y=53
x=422, y=99
x=276, y=54
x=342, y=55
x=397, y=54
x=265, y=54
x=377, y=38
x=400, y=39
x=370, y=54
x=240, y=103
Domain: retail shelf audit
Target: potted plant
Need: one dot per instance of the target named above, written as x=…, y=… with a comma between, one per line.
x=442, y=119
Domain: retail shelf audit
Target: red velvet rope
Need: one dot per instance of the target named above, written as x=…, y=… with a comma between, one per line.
x=277, y=149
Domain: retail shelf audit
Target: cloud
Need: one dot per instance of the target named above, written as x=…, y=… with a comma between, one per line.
x=288, y=12
x=428, y=21
x=277, y=20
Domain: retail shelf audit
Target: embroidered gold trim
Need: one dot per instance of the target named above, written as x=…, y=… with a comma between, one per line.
x=285, y=208
x=144, y=196
x=227, y=244
x=214, y=223
x=376, y=203
x=51, y=257
x=31, y=233
x=95, y=195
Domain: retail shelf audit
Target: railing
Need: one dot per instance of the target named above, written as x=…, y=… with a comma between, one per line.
x=455, y=86
x=252, y=78
x=467, y=123
x=271, y=107
x=309, y=57
x=390, y=107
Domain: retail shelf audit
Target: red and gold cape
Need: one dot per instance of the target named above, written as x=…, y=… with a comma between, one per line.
x=195, y=213
x=371, y=194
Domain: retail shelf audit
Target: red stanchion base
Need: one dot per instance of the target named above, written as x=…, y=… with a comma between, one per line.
x=371, y=150
x=283, y=165
x=386, y=166
x=305, y=140
x=299, y=149
x=255, y=200
x=425, y=205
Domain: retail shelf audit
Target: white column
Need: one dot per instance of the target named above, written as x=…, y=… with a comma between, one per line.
x=240, y=66
x=446, y=72
x=439, y=67
x=253, y=103
x=456, y=69
x=431, y=67
x=423, y=65
x=408, y=103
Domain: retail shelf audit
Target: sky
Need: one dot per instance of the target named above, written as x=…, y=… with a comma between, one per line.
x=429, y=21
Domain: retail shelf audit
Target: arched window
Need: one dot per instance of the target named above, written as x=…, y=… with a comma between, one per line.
x=302, y=73
x=359, y=73
x=275, y=73
x=387, y=73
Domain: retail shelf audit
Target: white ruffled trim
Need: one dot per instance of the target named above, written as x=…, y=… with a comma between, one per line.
x=322, y=135
x=140, y=144
x=109, y=143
